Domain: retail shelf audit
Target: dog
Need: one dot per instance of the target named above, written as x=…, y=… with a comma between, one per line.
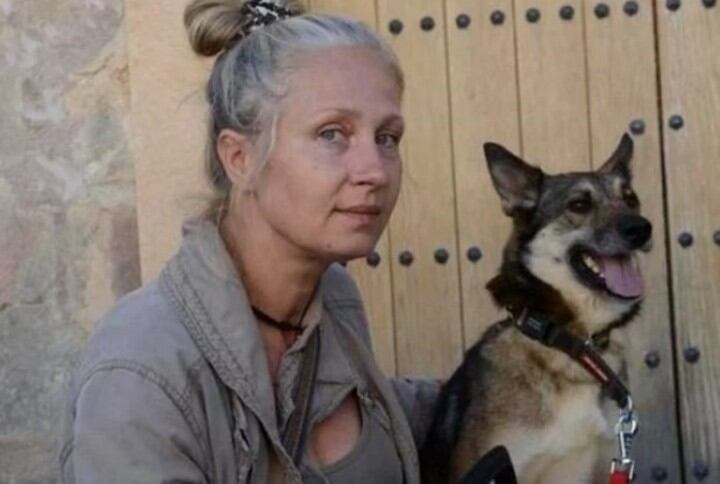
x=571, y=258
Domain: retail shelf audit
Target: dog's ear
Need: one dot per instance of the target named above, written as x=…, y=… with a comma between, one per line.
x=619, y=161
x=517, y=182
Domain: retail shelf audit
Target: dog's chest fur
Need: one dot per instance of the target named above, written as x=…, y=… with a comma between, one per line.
x=579, y=431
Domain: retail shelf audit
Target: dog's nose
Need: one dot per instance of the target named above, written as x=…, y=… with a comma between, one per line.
x=635, y=229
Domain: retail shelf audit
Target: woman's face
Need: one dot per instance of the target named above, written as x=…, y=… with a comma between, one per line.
x=333, y=175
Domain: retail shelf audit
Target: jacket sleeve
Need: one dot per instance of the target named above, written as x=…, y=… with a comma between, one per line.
x=417, y=397
x=131, y=427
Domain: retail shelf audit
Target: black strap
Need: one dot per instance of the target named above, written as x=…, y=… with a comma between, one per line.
x=494, y=467
x=551, y=334
x=295, y=434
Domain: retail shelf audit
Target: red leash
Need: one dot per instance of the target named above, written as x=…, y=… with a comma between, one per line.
x=620, y=477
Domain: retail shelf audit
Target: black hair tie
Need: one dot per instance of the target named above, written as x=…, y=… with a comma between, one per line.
x=260, y=13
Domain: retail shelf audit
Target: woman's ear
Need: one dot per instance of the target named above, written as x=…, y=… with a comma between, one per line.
x=235, y=152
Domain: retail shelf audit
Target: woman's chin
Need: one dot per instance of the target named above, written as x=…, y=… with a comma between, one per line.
x=350, y=250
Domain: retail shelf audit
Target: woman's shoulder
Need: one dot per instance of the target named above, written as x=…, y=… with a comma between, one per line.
x=143, y=333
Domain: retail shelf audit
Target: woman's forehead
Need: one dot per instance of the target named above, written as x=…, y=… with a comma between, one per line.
x=331, y=75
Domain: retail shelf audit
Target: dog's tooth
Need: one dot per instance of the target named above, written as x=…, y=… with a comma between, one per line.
x=591, y=264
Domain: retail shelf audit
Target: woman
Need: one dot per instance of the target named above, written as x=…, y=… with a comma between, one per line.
x=248, y=359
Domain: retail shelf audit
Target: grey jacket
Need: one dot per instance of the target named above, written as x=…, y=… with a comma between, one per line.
x=174, y=386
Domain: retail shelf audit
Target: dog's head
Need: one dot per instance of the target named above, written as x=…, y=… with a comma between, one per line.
x=577, y=232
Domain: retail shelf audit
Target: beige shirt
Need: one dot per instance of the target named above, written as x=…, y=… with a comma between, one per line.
x=174, y=386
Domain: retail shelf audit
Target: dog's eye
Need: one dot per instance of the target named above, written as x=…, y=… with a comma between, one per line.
x=631, y=200
x=581, y=206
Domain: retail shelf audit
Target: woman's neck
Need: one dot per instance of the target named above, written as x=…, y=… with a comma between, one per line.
x=277, y=278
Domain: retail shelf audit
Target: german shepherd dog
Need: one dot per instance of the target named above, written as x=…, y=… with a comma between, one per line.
x=572, y=258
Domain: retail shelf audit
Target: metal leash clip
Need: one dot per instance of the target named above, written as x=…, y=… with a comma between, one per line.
x=625, y=430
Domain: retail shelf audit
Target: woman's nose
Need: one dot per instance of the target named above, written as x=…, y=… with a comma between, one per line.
x=368, y=166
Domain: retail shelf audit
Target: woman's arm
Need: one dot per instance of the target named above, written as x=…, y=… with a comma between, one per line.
x=417, y=397
x=129, y=427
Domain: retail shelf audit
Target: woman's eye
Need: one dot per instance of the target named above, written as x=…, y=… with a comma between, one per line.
x=581, y=206
x=332, y=135
x=387, y=140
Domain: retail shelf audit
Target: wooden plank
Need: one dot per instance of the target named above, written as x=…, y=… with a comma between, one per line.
x=553, y=90
x=363, y=10
x=484, y=107
x=375, y=283
x=168, y=125
x=622, y=88
x=690, y=79
x=426, y=293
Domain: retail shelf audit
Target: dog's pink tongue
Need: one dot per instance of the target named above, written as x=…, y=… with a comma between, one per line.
x=622, y=276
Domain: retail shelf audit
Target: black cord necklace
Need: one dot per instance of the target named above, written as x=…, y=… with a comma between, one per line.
x=281, y=325
x=284, y=325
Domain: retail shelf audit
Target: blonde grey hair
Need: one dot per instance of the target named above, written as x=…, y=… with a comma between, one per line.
x=249, y=78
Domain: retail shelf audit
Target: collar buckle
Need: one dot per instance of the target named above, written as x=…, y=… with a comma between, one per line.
x=535, y=327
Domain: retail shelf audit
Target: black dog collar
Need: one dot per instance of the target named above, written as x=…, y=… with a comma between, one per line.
x=539, y=328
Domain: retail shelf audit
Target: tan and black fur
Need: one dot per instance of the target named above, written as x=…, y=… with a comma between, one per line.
x=510, y=390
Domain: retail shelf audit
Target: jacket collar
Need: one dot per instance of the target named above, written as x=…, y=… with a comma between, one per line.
x=201, y=279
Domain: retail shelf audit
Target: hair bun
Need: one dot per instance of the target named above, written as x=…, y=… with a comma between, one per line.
x=212, y=24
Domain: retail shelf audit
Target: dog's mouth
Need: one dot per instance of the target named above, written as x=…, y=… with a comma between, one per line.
x=617, y=275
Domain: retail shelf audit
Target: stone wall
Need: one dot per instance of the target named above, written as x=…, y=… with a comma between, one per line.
x=68, y=228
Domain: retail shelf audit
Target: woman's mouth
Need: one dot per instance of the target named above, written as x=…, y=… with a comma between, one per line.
x=361, y=214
